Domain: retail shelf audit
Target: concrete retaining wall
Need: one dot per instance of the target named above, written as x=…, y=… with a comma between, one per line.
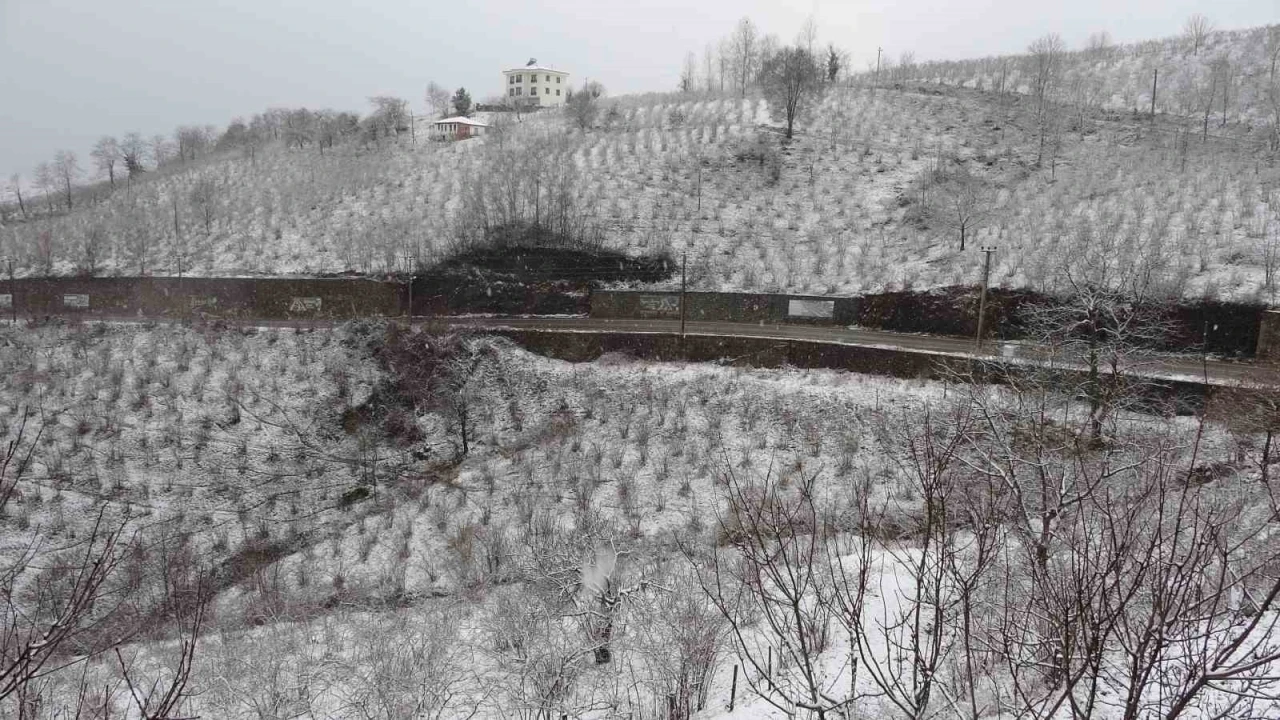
x=725, y=307
x=265, y=298
x=1182, y=397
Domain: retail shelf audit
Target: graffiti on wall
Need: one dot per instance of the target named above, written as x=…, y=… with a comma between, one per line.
x=75, y=301
x=304, y=304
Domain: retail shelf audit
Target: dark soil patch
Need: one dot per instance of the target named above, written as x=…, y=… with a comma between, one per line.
x=528, y=280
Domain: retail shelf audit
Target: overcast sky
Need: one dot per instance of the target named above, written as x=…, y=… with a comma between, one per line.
x=73, y=70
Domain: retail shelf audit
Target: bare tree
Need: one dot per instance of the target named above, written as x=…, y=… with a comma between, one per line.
x=792, y=82
x=67, y=168
x=106, y=153
x=689, y=73
x=411, y=665
x=15, y=186
x=392, y=113
x=1197, y=29
x=437, y=99
x=132, y=148
x=709, y=68
x=47, y=181
x=1099, y=45
x=160, y=149
x=1045, y=57
x=204, y=197
x=771, y=573
x=299, y=128
x=745, y=47
x=964, y=201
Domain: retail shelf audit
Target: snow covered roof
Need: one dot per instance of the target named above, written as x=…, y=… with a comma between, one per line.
x=460, y=120
x=535, y=68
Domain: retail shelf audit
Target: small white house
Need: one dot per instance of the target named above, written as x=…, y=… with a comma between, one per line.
x=457, y=128
x=536, y=85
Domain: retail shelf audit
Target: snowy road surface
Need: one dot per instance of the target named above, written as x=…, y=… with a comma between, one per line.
x=1183, y=368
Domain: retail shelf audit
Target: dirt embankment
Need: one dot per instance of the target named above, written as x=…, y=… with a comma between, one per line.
x=528, y=280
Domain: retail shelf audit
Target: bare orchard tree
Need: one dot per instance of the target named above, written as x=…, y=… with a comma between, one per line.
x=55, y=603
x=47, y=183
x=964, y=202
x=766, y=581
x=106, y=155
x=1197, y=30
x=411, y=665
x=682, y=637
x=792, y=83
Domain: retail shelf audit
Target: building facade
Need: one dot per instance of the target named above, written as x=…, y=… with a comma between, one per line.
x=535, y=85
x=457, y=128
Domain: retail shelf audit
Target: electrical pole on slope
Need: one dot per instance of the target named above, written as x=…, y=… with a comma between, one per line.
x=982, y=299
x=684, y=263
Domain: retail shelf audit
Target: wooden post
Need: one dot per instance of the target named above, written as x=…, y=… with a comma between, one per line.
x=733, y=688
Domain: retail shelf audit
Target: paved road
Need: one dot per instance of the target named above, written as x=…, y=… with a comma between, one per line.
x=1177, y=367
x=1219, y=372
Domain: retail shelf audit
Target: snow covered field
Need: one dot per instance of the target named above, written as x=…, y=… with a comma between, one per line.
x=608, y=507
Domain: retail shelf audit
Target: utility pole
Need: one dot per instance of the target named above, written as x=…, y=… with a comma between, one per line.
x=982, y=300
x=412, y=261
x=877, y=80
x=13, y=296
x=684, y=263
x=1155, y=76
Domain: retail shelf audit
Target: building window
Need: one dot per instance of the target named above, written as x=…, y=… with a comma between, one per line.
x=511, y=91
x=548, y=91
x=557, y=92
x=557, y=79
x=548, y=78
x=511, y=79
x=533, y=78
x=519, y=78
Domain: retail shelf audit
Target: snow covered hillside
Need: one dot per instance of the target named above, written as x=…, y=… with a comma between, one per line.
x=870, y=196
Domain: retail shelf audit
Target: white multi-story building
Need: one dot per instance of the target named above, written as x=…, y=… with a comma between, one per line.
x=535, y=84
